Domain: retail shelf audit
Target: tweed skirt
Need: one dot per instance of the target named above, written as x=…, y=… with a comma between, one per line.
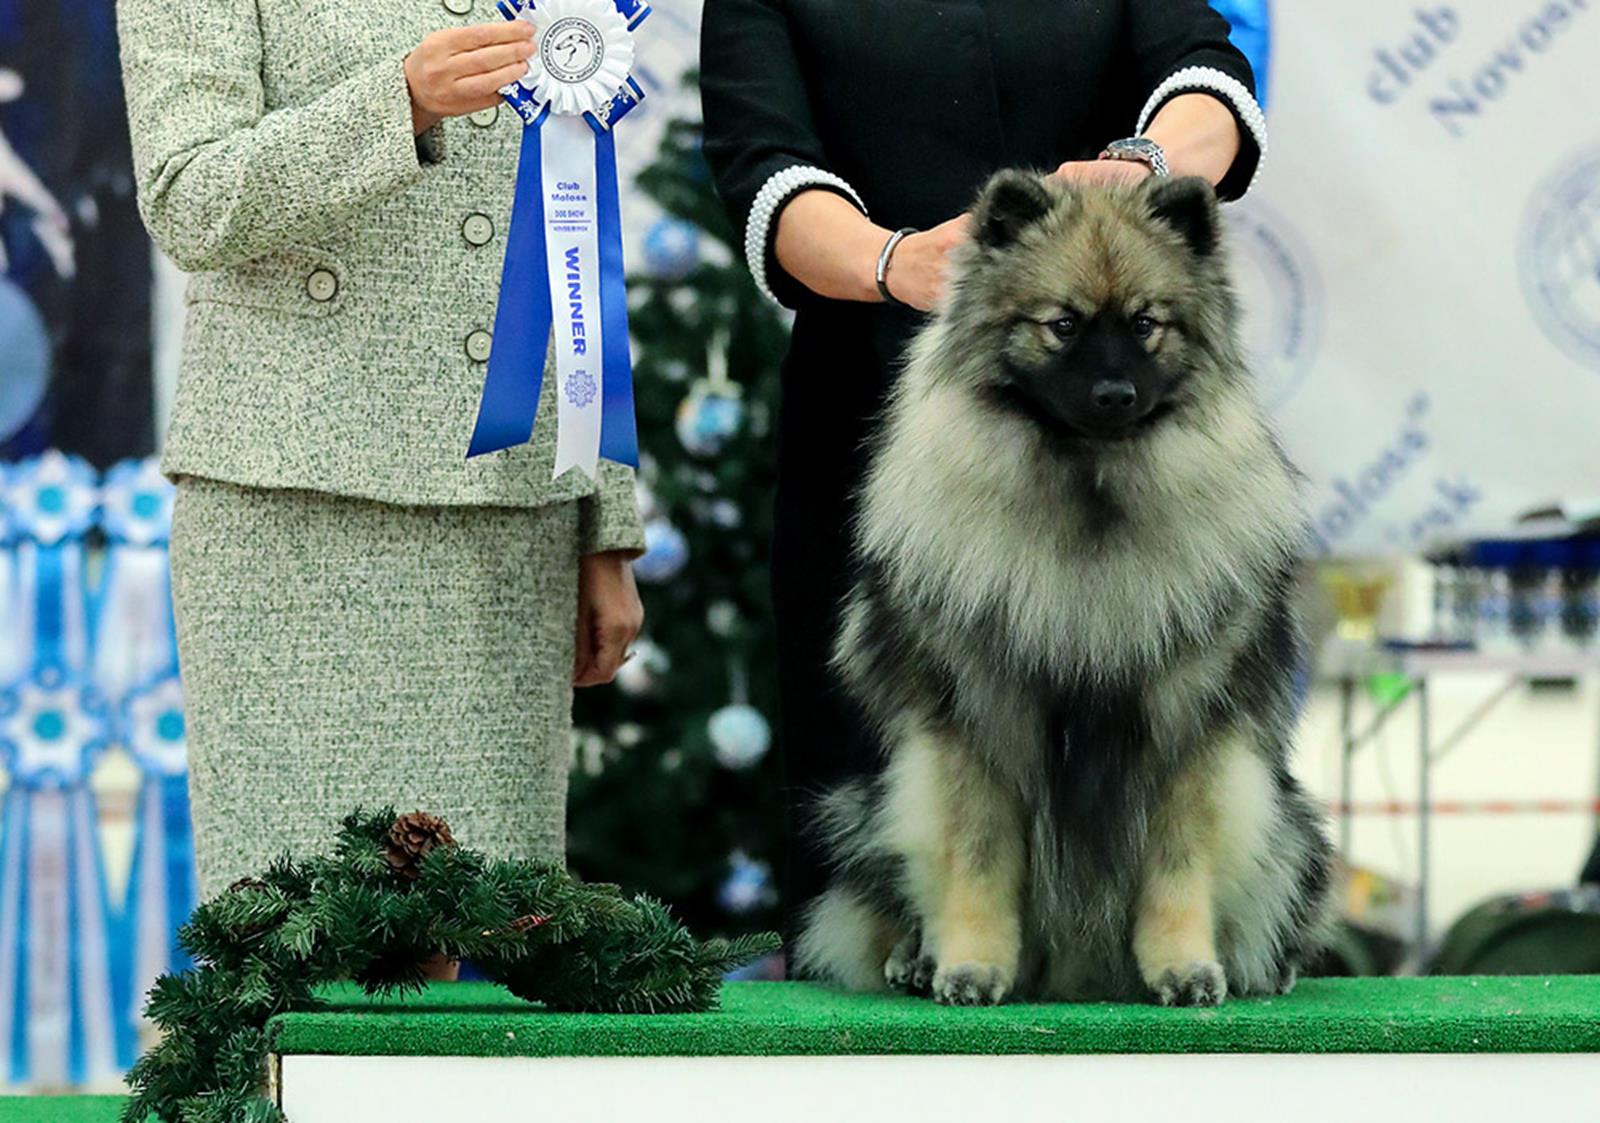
x=340, y=652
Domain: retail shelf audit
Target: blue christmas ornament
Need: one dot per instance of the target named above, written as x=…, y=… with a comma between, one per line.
x=666, y=552
x=26, y=348
x=725, y=513
x=748, y=885
x=708, y=417
x=136, y=503
x=740, y=736
x=672, y=248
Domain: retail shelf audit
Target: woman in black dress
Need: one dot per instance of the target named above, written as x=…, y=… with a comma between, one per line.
x=831, y=125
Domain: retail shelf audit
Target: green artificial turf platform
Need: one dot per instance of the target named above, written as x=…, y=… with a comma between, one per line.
x=61, y=1109
x=1559, y=1014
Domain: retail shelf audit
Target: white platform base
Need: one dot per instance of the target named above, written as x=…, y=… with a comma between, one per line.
x=1556, y=1088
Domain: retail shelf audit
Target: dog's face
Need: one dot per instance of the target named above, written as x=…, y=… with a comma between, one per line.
x=1097, y=302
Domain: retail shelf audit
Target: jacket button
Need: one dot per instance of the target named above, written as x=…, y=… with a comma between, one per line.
x=322, y=285
x=458, y=7
x=478, y=346
x=478, y=229
x=483, y=118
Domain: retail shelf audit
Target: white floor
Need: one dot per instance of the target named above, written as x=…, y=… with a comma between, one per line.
x=1331, y=1089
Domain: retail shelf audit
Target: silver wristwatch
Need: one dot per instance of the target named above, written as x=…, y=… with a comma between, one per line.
x=1140, y=149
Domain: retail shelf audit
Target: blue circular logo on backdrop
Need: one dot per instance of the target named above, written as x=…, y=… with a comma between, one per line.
x=1560, y=257
x=1281, y=298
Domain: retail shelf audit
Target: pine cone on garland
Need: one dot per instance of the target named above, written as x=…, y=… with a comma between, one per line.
x=412, y=838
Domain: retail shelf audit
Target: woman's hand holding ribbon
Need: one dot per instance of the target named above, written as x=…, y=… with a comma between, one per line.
x=460, y=70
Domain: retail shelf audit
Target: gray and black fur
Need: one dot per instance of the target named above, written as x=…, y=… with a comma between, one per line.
x=1073, y=627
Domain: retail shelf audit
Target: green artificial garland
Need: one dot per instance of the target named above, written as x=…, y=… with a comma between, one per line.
x=397, y=893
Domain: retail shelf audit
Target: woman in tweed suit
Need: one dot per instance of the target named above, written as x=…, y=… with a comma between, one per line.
x=365, y=616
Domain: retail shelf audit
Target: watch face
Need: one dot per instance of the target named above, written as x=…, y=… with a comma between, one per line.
x=1142, y=149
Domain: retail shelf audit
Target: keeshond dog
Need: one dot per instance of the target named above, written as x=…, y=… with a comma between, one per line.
x=1072, y=625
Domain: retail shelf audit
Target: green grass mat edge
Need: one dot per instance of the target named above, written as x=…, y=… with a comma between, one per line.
x=1456, y=1015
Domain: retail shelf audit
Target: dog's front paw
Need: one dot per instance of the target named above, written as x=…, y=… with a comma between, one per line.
x=908, y=969
x=971, y=984
x=1193, y=984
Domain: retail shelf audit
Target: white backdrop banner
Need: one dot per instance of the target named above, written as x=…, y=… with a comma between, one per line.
x=1420, y=262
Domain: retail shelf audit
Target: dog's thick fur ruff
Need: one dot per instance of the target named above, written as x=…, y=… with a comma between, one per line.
x=1079, y=649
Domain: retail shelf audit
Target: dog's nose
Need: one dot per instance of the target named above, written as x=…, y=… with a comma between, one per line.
x=1114, y=396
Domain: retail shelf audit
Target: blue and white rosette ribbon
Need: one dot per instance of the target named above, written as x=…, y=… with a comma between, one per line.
x=563, y=271
x=162, y=883
x=134, y=637
x=52, y=500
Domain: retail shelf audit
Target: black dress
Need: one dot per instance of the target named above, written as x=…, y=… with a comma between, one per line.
x=905, y=107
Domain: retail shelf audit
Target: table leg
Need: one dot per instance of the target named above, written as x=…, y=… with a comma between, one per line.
x=1424, y=813
x=1347, y=752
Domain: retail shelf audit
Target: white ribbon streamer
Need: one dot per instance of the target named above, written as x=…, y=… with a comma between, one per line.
x=133, y=643
x=572, y=240
x=95, y=1008
x=49, y=978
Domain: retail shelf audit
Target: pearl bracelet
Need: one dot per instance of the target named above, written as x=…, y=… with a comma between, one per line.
x=780, y=187
x=1208, y=79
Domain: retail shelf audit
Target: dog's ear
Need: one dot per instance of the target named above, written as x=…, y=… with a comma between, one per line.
x=1189, y=206
x=1012, y=202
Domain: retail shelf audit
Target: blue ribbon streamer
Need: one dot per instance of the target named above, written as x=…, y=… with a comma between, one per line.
x=49, y=611
x=182, y=890
x=510, y=402
x=619, y=439
x=19, y=817
x=77, y=1051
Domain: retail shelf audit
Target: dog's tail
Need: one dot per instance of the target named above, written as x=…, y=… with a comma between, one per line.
x=845, y=941
x=848, y=931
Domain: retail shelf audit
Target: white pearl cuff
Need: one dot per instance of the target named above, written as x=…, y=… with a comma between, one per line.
x=1211, y=80
x=778, y=189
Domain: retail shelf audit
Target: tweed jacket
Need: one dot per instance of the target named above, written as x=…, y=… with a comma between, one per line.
x=345, y=273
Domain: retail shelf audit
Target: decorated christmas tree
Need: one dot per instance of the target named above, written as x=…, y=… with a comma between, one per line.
x=674, y=792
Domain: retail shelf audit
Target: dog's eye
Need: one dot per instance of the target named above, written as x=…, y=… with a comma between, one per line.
x=1144, y=325
x=1066, y=327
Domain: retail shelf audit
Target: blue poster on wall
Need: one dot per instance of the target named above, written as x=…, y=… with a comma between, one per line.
x=74, y=259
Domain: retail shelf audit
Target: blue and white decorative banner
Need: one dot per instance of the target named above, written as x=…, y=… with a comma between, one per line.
x=162, y=884
x=134, y=636
x=1420, y=262
x=563, y=274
